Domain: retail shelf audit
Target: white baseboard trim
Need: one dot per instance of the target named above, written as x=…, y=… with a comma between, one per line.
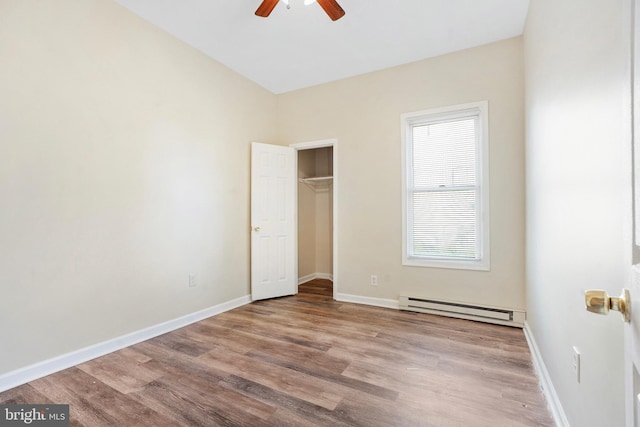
x=47, y=367
x=313, y=276
x=557, y=412
x=377, y=302
x=305, y=279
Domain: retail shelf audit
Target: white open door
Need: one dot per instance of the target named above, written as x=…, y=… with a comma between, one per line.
x=628, y=303
x=273, y=221
x=632, y=328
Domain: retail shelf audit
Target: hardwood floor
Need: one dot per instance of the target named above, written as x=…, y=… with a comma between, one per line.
x=303, y=361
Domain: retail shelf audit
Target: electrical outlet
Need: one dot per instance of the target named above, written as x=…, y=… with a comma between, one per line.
x=374, y=280
x=576, y=363
x=192, y=280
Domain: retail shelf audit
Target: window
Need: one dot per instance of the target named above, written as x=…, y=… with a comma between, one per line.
x=445, y=187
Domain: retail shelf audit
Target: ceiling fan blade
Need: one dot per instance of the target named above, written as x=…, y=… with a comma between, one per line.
x=332, y=8
x=266, y=7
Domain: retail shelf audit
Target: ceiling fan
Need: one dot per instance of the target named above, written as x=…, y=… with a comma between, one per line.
x=332, y=8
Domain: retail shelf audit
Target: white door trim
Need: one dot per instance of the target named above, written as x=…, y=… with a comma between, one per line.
x=308, y=146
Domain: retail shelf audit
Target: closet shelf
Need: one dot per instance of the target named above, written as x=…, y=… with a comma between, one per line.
x=316, y=179
x=317, y=182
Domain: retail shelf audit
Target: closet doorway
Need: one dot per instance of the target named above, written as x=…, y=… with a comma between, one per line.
x=316, y=201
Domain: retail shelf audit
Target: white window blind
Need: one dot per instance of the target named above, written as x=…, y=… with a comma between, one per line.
x=443, y=194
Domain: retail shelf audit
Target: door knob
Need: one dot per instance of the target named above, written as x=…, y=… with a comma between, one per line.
x=598, y=301
x=256, y=229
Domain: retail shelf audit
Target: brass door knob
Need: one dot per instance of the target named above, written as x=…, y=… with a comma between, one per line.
x=598, y=301
x=256, y=229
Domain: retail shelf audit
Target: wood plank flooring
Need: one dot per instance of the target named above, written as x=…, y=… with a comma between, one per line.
x=307, y=361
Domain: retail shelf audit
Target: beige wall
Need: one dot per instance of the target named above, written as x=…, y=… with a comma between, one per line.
x=363, y=113
x=323, y=231
x=324, y=212
x=123, y=168
x=306, y=215
x=578, y=197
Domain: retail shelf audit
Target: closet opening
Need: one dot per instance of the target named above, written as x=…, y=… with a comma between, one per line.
x=316, y=195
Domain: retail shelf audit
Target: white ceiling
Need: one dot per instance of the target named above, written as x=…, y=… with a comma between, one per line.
x=300, y=47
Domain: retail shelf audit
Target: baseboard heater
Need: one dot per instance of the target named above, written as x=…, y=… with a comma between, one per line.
x=499, y=316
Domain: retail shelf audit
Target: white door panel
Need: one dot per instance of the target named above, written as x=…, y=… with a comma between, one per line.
x=273, y=210
x=632, y=329
x=628, y=303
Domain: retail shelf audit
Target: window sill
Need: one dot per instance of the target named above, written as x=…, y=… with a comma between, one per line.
x=482, y=265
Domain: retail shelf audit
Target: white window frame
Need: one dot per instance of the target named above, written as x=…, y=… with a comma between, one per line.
x=408, y=120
